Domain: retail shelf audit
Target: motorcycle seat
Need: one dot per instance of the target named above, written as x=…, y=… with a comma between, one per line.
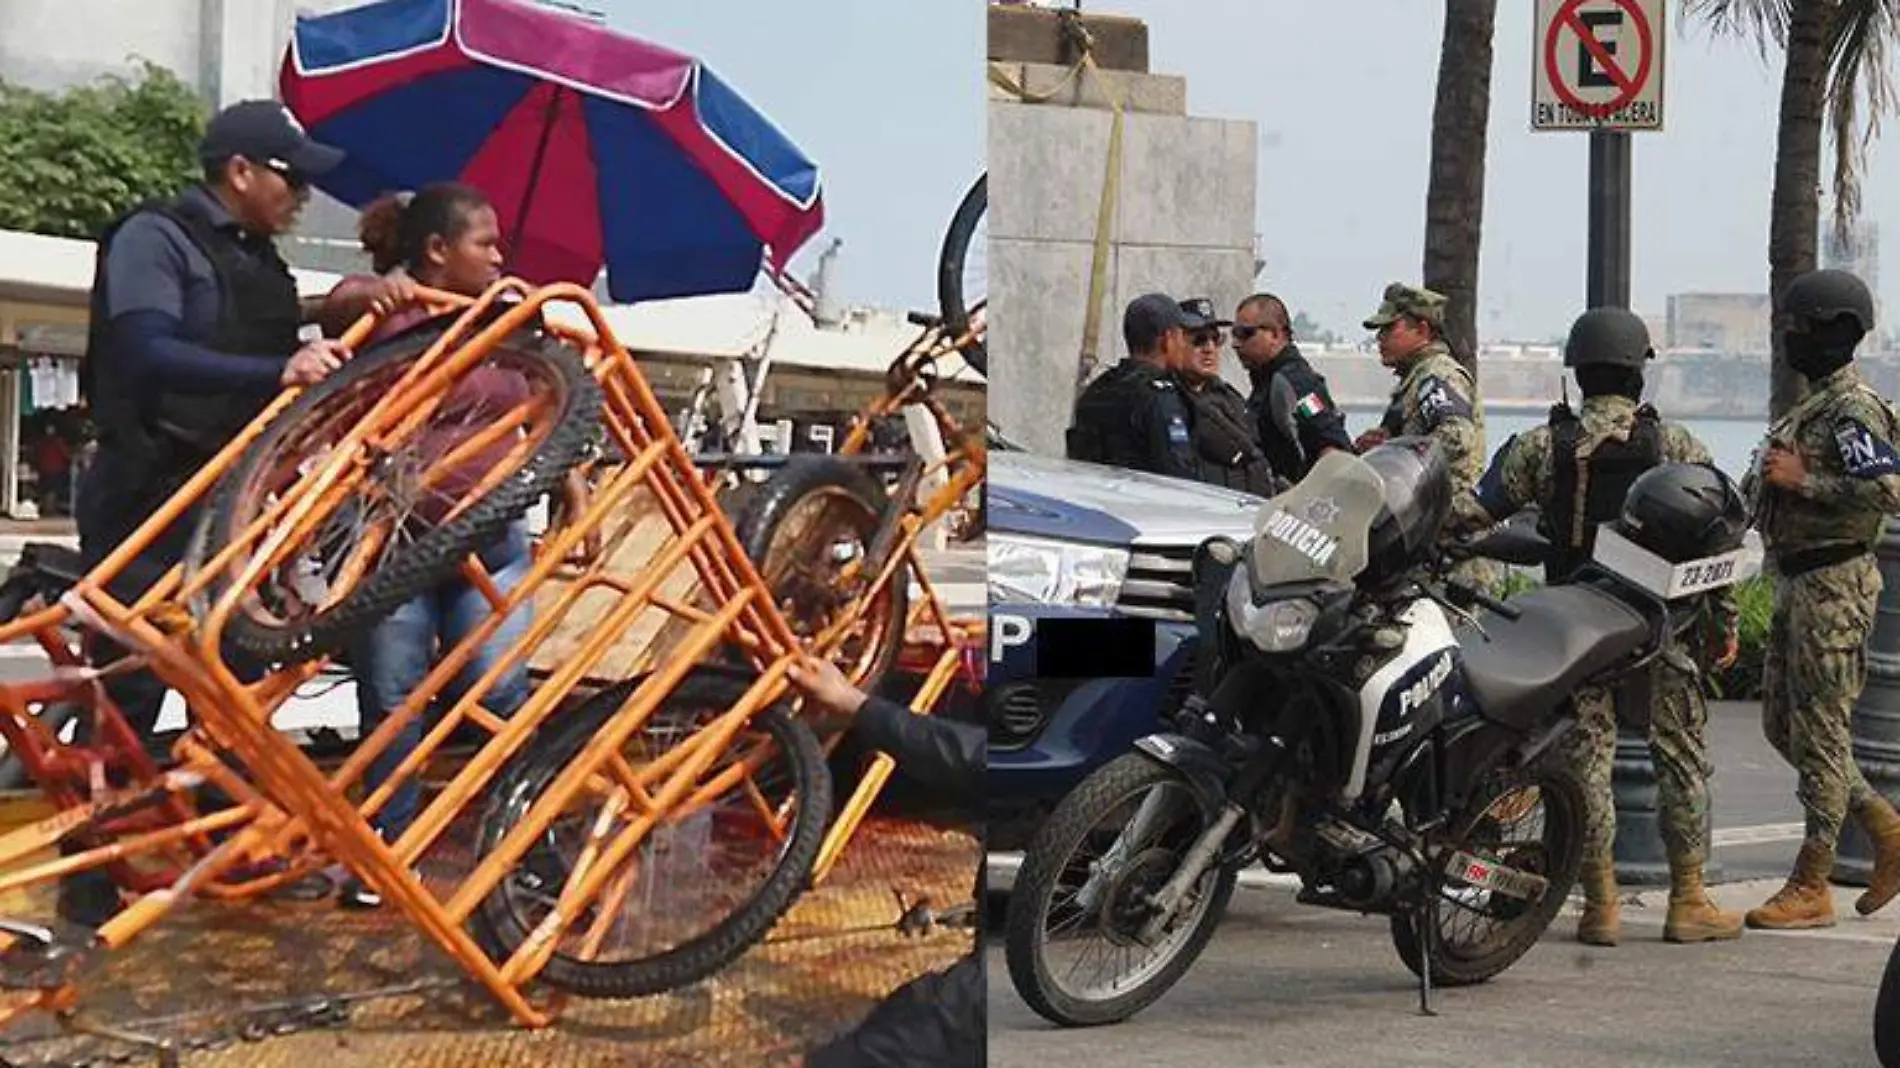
x=1565, y=635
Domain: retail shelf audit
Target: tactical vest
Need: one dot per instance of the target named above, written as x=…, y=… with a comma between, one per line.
x=1226, y=451
x=1583, y=499
x=1103, y=432
x=172, y=434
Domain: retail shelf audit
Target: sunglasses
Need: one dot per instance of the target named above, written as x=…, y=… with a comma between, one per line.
x=1243, y=333
x=1206, y=337
x=297, y=182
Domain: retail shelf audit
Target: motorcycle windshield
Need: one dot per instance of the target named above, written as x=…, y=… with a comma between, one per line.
x=1321, y=528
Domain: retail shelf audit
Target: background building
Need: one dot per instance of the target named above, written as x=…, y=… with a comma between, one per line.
x=1734, y=323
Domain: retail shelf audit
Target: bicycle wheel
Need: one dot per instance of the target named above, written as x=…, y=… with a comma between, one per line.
x=963, y=270
x=702, y=888
x=406, y=526
x=813, y=517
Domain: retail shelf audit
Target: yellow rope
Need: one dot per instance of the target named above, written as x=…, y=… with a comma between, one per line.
x=1111, y=183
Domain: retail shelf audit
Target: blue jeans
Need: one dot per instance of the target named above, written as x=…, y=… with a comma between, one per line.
x=394, y=658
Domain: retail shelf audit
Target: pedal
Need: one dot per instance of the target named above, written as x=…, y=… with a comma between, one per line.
x=43, y=958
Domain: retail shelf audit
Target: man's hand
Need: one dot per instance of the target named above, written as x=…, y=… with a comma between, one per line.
x=390, y=292
x=310, y=364
x=1731, y=648
x=1371, y=439
x=827, y=688
x=1783, y=469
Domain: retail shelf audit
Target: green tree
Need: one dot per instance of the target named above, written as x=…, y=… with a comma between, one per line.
x=1836, y=75
x=71, y=162
x=1306, y=328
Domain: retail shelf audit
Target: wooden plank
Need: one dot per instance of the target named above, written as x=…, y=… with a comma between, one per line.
x=654, y=631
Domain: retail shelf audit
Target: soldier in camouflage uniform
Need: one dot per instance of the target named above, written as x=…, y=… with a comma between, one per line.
x=1435, y=397
x=1821, y=491
x=1577, y=470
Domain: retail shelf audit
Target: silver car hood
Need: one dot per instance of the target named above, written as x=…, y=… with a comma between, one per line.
x=1154, y=509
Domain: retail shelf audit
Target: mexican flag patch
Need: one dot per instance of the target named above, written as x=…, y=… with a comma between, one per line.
x=1310, y=405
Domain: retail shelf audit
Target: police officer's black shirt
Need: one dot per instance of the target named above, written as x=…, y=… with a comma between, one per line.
x=1133, y=416
x=1304, y=405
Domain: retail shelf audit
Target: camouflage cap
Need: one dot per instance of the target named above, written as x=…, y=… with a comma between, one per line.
x=1415, y=301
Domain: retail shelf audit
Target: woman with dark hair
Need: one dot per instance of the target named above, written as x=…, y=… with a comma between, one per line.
x=445, y=237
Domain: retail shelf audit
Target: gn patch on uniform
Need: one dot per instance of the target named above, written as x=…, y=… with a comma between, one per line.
x=1863, y=454
x=1437, y=402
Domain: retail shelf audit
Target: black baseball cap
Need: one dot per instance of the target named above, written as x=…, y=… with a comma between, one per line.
x=1201, y=314
x=266, y=133
x=1148, y=317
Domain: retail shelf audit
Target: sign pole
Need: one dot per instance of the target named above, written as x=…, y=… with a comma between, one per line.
x=1607, y=282
x=1597, y=66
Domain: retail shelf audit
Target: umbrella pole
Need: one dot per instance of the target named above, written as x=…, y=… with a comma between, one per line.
x=540, y=156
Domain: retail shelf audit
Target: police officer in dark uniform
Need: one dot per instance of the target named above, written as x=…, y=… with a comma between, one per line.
x=1227, y=448
x=195, y=327
x=1292, y=409
x=1132, y=415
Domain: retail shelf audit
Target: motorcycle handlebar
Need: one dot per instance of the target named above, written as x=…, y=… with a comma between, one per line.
x=1467, y=596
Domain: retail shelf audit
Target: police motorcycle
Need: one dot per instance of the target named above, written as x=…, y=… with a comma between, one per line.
x=1368, y=726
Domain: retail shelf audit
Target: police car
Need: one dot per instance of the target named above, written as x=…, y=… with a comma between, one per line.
x=1091, y=632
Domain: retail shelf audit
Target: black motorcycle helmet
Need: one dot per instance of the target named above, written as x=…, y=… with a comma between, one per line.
x=1417, y=480
x=1608, y=337
x=1825, y=296
x=1684, y=512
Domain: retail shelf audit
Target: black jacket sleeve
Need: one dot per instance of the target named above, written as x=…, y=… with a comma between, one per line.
x=934, y=1021
x=1321, y=429
x=1157, y=423
x=944, y=755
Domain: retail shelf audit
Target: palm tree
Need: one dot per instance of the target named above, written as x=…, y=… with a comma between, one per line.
x=1836, y=73
x=1454, y=199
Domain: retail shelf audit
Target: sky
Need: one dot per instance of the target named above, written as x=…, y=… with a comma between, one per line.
x=1341, y=93
x=888, y=98
x=885, y=95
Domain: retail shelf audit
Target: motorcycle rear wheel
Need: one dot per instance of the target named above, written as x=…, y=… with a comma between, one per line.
x=1556, y=855
x=1887, y=1013
x=1052, y=873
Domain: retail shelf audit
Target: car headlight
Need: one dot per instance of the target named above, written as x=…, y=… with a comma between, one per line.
x=1274, y=627
x=1044, y=571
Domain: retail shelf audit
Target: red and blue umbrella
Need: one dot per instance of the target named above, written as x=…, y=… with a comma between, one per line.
x=596, y=148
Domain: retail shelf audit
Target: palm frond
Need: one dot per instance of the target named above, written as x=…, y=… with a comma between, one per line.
x=1763, y=21
x=1860, y=92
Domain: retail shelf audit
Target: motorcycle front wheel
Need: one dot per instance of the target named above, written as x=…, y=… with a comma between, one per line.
x=1084, y=887
x=1528, y=819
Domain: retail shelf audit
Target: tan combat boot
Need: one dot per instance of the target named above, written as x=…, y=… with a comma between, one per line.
x=1602, y=921
x=1692, y=916
x=1883, y=826
x=1805, y=900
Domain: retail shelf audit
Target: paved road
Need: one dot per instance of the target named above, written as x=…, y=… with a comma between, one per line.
x=1284, y=984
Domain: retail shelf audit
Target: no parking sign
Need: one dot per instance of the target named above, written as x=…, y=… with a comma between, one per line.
x=1597, y=65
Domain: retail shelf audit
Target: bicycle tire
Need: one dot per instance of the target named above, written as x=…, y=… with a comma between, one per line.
x=500, y=932
x=803, y=478
x=437, y=553
x=952, y=300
